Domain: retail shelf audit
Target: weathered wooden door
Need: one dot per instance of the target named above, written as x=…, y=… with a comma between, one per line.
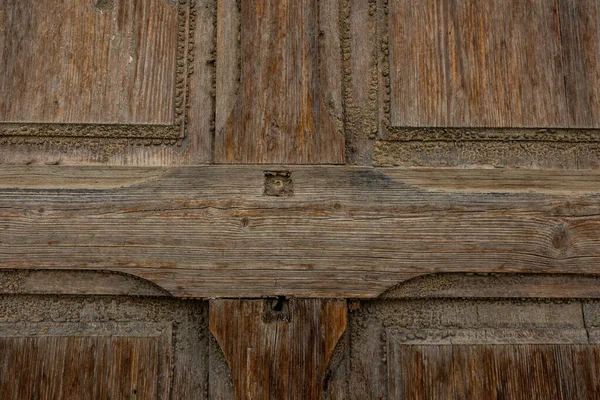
x=307, y=199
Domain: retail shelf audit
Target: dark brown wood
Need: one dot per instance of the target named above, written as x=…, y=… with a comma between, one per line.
x=493, y=372
x=80, y=367
x=99, y=61
x=286, y=107
x=341, y=231
x=100, y=347
x=579, y=28
x=494, y=64
x=278, y=349
x=473, y=348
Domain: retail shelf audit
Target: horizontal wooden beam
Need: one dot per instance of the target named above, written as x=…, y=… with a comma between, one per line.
x=319, y=231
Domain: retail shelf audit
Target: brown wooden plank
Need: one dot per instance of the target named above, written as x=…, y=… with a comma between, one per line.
x=191, y=82
x=286, y=105
x=340, y=232
x=92, y=367
x=580, y=42
x=426, y=373
x=490, y=372
x=278, y=350
x=492, y=64
x=88, y=62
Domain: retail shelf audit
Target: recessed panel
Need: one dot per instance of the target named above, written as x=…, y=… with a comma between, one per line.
x=497, y=63
x=98, y=61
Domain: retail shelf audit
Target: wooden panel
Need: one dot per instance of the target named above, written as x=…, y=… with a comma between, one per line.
x=99, y=61
x=496, y=63
x=54, y=144
x=286, y=105
x=79, y=367
x=278, y=349
x=493, y=372
x=100, y=347
x=340, y=232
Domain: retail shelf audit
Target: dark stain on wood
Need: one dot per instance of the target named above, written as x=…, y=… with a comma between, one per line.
x=278, y=349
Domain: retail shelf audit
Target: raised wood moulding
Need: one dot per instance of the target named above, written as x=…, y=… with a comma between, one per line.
x=95, y=69
x=342, y=232
x=497, y=63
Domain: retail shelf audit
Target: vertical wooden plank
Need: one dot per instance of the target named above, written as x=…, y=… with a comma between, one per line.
x=461, y=63
x=420, y=372
x=278, y=350
x=53, y=367
x=580, y=41
x=285, y=103
x=99, y=61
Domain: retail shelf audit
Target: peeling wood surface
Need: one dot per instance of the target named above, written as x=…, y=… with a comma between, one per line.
x=340, y=232
x=285, y=107
x=278, y=351
x=499, y=63
x=98, y=61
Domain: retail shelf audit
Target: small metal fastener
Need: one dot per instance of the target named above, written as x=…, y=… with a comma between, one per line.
x=278, y=183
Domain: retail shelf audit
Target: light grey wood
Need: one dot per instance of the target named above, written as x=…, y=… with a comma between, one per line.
x=338, y=232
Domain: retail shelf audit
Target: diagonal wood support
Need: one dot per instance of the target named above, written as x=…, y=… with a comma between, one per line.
x=278, y=349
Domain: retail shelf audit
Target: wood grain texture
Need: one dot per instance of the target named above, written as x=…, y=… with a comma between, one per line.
x=494, y=64
x=278, y=353
x=494, y=372
x=340, y=232
x=360, y=51
x=101, y=347
x=99, y=61
x=473, y=349
x=192, y=82
x=93, y=367
x=286, y=105
x=75, y=283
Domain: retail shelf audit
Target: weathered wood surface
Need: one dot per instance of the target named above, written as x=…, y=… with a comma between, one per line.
x=191, y=82
x=544, y=286
x=282, y=104
x=100, y=347
x=472, y=348
x=100, y=61
x=333, y=232
x=92, y=367
x=278, y=350
x=535, y=372
x=499, y=63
